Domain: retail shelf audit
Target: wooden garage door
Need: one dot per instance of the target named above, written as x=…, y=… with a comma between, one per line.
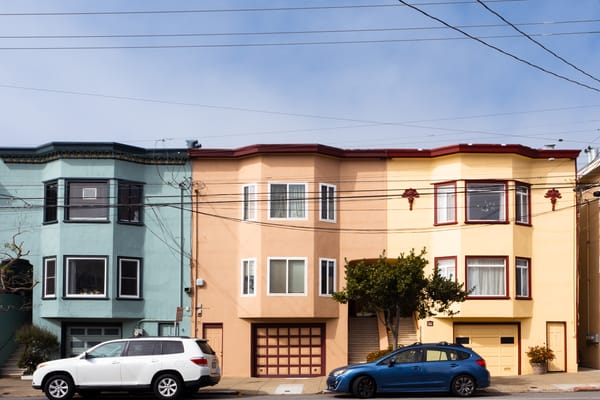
x=288, y=350
x=497, y=344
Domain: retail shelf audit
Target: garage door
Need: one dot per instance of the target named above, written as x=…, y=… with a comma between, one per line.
x=79, y=338
x=288, y=350
x=497, y=344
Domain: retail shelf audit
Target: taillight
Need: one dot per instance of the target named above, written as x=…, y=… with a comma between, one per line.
x=481, y=362
x=199, y=360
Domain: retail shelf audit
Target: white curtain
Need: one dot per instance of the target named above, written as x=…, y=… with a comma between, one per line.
x=487, y=276
x=297, y=201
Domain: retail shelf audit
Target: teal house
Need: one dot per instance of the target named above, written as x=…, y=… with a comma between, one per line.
x=107, y=231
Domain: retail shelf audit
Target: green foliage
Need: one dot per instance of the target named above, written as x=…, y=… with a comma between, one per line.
x=398, y=288
x=540, y=354
x=40, y=345
x=374, y=355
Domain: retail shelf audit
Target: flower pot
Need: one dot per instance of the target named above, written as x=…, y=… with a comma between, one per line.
x=539, y=368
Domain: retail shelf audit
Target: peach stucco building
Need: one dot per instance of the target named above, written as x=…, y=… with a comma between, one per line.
x=274, y=225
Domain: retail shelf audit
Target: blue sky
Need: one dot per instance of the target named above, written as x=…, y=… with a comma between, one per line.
x=388, y=76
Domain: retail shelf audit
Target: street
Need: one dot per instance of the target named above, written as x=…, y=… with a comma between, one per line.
x=584, y=395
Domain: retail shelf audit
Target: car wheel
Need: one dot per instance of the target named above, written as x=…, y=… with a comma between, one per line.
x=463, y=386
x=59, y=387
x=167, y=387
x=363, y=387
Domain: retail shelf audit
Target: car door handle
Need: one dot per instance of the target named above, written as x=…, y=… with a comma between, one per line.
x=453, y=365
x=116, y=362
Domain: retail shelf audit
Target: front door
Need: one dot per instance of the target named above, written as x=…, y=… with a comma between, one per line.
x=555, y=339
x=213, y=332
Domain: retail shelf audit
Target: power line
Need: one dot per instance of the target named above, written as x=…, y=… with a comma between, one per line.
x=235, y=10
x=304, y=43
x=302, y=32
x=499, y=49
x=535, y=41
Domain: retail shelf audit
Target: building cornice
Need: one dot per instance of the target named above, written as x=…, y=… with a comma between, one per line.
x=92, y=151
x=317, y=149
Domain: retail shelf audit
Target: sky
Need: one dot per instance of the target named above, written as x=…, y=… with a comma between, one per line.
x=353, y=74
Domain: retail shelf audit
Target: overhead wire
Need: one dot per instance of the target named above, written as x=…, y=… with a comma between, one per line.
x=535, y=41
x=500, y=50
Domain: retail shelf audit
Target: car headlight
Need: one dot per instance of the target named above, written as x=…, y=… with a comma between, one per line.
x=339, y=372
x=41, y=365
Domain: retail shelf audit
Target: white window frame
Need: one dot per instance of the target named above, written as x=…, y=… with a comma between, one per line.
x=288, y=202
x=327, y=204
x=446, y=267
x=287, y=277
x=477, y=265
x=523, y=268
x=248, y=268
x=445, y=203
x=522, y=203
x=50, y=278
x=68, y=273
x=138, y=278
x=330, y=278
x=487, y=189
x=249, y=209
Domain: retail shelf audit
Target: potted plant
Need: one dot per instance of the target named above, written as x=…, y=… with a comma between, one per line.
x=539, y=357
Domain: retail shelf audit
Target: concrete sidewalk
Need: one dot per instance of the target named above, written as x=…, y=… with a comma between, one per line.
x=585, y=380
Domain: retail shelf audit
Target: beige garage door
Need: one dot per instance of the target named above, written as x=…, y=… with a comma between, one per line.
x=497, y=344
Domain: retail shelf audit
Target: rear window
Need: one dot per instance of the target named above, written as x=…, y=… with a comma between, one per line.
x=172, y=347
x=205, y=347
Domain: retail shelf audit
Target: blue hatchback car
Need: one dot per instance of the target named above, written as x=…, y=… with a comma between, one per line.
x=435, y=367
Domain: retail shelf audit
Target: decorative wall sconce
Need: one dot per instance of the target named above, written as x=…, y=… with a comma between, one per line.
x=410, y=194
x=553, y=194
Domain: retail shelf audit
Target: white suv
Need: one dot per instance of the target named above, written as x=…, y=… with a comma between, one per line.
x=168, y=366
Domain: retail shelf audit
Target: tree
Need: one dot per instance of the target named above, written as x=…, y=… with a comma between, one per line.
x=16, y=274
x=398, y=288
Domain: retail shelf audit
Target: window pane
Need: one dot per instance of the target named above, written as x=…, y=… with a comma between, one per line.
x=485, y=202
x=445, y=204
x=522, y=203
x=296, y=276
x=249, y=212
x=248, y=277
x=86, y=277
x=522, y=276
x=278, y=202
x=50, y=202
x=129, y=284
x=277, y=276
x=486, y=276
x=447, y=268
x=297, y=201
x=130, y=202
x=50, y=278
x=88, y=201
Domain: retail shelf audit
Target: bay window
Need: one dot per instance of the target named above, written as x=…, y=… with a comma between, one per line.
x=445, y=203
x=522, y=204
x=248, y=277
x=522, y=275
x=86, y=276
x=287, y=276
x=129, y=278
x=486, y=202
x=87, y=201
x=327, y=203
x=327, y=277
x=287, y=200
x=249, y=203
x=49, y=278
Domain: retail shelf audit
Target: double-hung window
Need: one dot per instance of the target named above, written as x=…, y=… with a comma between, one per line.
x=287, y=201
x=287, y=276
x=327, y=277
x=327, y=203
x=486, y=276
x=249, y=203
x=86, y=276
x=486, y=202
x=87, y=201
x=522, y=204
x=49, y=278
x=50, y=202
x=129, y=278
x=523, y=277
x=446, y=267
x=248, y=277
x=445, y=203
x=131, y=199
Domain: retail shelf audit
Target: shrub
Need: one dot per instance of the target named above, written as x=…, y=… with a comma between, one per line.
x=40, y=345
x=540, y=354
x=377, y=354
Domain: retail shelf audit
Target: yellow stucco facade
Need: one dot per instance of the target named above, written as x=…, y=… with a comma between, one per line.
x=274, y=224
